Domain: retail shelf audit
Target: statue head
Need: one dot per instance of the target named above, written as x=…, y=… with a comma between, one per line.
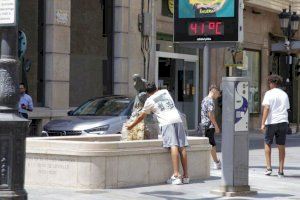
x=138, y=83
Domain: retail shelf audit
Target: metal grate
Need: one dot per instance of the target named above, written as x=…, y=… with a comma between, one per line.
x=63, y=133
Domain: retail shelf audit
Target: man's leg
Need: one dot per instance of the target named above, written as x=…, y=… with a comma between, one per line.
x=280, y=141
x=210, y=133
x=268, y=155
x=269, y=135
x=174, y=155
x=281, y=149
x=213, y=153
x=183, y=157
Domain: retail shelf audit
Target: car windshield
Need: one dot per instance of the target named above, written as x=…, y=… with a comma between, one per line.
x=102, y=107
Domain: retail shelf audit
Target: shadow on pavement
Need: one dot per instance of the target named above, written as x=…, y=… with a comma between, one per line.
x=274, y=168
x=256, y=141
x=211, y=178
x=168, y=195
x=270, y=195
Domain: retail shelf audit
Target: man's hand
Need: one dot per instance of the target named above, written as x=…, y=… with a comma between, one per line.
x=128, y=126
x=217, y=130
x=262, y=128
x=23, y=106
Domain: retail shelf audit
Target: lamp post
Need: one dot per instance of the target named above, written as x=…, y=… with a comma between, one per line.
x=289, y=23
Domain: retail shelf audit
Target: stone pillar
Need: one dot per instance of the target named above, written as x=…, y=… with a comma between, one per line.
x=57, y=53
x=128, y=56
x=121, y=46
x=152, y=59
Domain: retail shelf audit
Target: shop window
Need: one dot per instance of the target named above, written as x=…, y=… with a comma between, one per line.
x=246, y=63
x=167, y=8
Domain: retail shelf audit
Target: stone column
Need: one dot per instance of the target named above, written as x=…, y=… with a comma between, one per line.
x=152, y=58
x=121, y=46
x=57, y=53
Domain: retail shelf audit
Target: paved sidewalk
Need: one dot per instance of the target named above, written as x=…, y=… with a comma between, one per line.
x=268, y=187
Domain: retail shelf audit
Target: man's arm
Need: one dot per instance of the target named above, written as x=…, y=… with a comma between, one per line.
x=30, y=105
x=264, y=117
x=212, y=118
x=136, y=121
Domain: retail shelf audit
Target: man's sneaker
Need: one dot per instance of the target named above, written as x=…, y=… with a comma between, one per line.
x=217, y=165
x=268, y=172
x=174, y=180
x=186, y=180
x=280, y=175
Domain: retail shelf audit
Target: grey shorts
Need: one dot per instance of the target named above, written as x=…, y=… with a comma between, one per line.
x=174, y=135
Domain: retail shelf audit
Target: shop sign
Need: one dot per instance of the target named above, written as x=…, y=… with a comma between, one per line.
x=171, y=6
x=62, y=17
x=7, y=12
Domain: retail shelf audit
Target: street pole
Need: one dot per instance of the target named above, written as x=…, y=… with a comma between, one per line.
x=13, y=129
x=206, y=69
x=298, y=106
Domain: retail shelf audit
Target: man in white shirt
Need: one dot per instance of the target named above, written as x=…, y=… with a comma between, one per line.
x=275, y=121
x=162, y=105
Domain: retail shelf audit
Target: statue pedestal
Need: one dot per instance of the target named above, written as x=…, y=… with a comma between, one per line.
x=13, y=131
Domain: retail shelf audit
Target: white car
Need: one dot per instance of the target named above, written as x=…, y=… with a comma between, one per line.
x=104, y=115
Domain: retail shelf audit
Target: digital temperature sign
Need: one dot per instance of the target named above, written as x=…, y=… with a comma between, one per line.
x=206, y=28
x=207, y=21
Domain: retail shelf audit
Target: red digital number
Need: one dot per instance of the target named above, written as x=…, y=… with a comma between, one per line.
x=218, y=31
x=193, y=28
x=206, y=28
x=212, y=26
x=202, y=28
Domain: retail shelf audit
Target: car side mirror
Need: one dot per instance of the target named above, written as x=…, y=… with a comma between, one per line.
x=70, y=113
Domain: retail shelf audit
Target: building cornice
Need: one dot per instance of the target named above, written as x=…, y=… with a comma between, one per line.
x=274, y=5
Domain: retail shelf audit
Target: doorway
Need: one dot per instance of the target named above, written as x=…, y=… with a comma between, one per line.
x=285, y=65
x=179, y=74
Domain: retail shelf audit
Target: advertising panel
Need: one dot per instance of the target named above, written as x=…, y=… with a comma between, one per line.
x=207, y=21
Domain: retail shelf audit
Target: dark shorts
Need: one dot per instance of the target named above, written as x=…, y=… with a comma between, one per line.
x=279, y=131
x=24, y=115
x=210, y=134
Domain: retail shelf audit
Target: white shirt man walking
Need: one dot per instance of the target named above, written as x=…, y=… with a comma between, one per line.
x=275, y=121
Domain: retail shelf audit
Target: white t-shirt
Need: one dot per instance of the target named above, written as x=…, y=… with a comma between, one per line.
x=279, y=103
x=162, y=105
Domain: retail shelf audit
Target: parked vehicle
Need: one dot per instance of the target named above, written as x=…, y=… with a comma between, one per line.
x=104, y=115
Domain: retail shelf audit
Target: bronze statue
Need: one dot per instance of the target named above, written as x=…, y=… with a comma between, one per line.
x=150, y=124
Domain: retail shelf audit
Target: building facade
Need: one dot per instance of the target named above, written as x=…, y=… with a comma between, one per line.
x=81, y=49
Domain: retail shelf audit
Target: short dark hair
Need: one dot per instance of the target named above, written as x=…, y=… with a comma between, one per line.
x=23, y=84
x=213, y=87
x=275, y=79
x=151, y=87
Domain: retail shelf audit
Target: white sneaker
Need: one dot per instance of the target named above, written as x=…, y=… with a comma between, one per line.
x=186, y=180
x=174, y=180
x=268, y=172
x=217, y=165
x=280, y=175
